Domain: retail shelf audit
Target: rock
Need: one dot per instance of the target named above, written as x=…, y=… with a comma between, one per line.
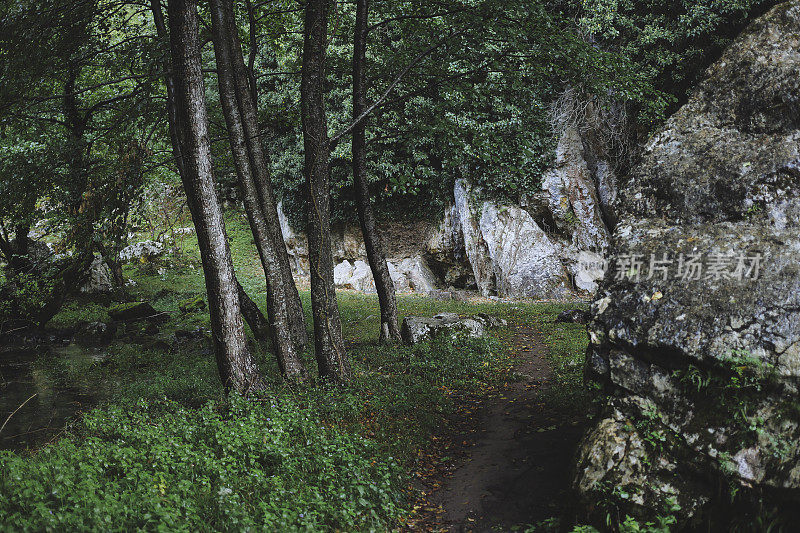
x=342, y=273
x=696, y=330
x=573, y=316
x=132, y=311
x=192, y=305
x=491, y=321
x=399, y=279
x=573, y=195
x=733, y=151
x=99, y=280
x=296, y=244
x=142, y=251
x=357, y=277
x=419, y=329
x=418, y=276
x=95, y=333
x=509, y=253
x=445, y=254
x=607, y=191
x=361, y=278
x=409, y=274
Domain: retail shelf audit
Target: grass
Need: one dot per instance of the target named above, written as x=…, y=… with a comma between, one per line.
x=166, y=450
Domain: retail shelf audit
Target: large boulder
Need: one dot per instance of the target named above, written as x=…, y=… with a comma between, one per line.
x=509, y=253
x=695, y=334
x=99, y=279
x=418, y=329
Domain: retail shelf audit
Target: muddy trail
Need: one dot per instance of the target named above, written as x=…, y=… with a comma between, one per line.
x=511, y=455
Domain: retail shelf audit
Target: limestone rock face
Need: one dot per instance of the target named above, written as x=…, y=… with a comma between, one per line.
x=445, y=253
x=296, y=244
x=141, y=250
x=508, y=251
x=409, y=274
x=573, y=197
x=696, y=330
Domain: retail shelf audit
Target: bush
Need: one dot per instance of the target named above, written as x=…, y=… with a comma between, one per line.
x=263, y=465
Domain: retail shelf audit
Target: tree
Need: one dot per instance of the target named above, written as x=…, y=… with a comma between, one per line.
x=328, y=340
x=246, y=93
x=366, y=217
x=72, y=150
x=277, y=297
x=250, y=311
x=237, y=367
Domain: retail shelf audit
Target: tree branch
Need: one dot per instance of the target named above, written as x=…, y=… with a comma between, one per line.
x=349, y=129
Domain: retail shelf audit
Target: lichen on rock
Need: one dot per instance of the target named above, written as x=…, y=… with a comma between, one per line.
x=695, y=332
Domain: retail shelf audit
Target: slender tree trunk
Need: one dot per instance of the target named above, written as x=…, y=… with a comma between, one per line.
x=259, y=163
x=250, y=311
x=237, y=367
x=328, y=341
x=277, y=303
x=253, y=316
x=390, y=331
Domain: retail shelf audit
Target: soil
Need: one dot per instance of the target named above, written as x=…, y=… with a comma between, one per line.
x=514, y=456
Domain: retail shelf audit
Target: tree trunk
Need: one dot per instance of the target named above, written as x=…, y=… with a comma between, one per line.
x=328, y=341
x=237, y=367
x=253, y=316
x=277, y=303
x=259, y=163
x=250, y=311
x=390, y=331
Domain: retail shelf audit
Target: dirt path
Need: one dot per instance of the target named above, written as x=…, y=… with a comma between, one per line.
x=514, y=456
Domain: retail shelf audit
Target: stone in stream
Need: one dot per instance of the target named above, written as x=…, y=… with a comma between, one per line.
x=695, y=333
x=418, y=329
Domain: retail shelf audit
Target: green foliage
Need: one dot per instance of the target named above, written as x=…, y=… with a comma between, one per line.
x=165, y=450
x=21, y=297
x=266, y=464
x=671, y=42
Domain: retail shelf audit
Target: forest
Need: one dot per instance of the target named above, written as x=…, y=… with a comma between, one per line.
x=393, y=265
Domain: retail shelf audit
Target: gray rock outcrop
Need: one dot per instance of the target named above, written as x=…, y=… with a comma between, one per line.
x=509, y=253
x=99, y=277
x=138, y=251
x=695, y=334
x=420, y=329
x=573, y=195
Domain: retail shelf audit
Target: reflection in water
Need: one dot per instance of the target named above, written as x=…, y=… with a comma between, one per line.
x=45, y=415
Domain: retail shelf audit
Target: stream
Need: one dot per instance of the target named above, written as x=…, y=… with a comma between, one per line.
x=41, y=408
